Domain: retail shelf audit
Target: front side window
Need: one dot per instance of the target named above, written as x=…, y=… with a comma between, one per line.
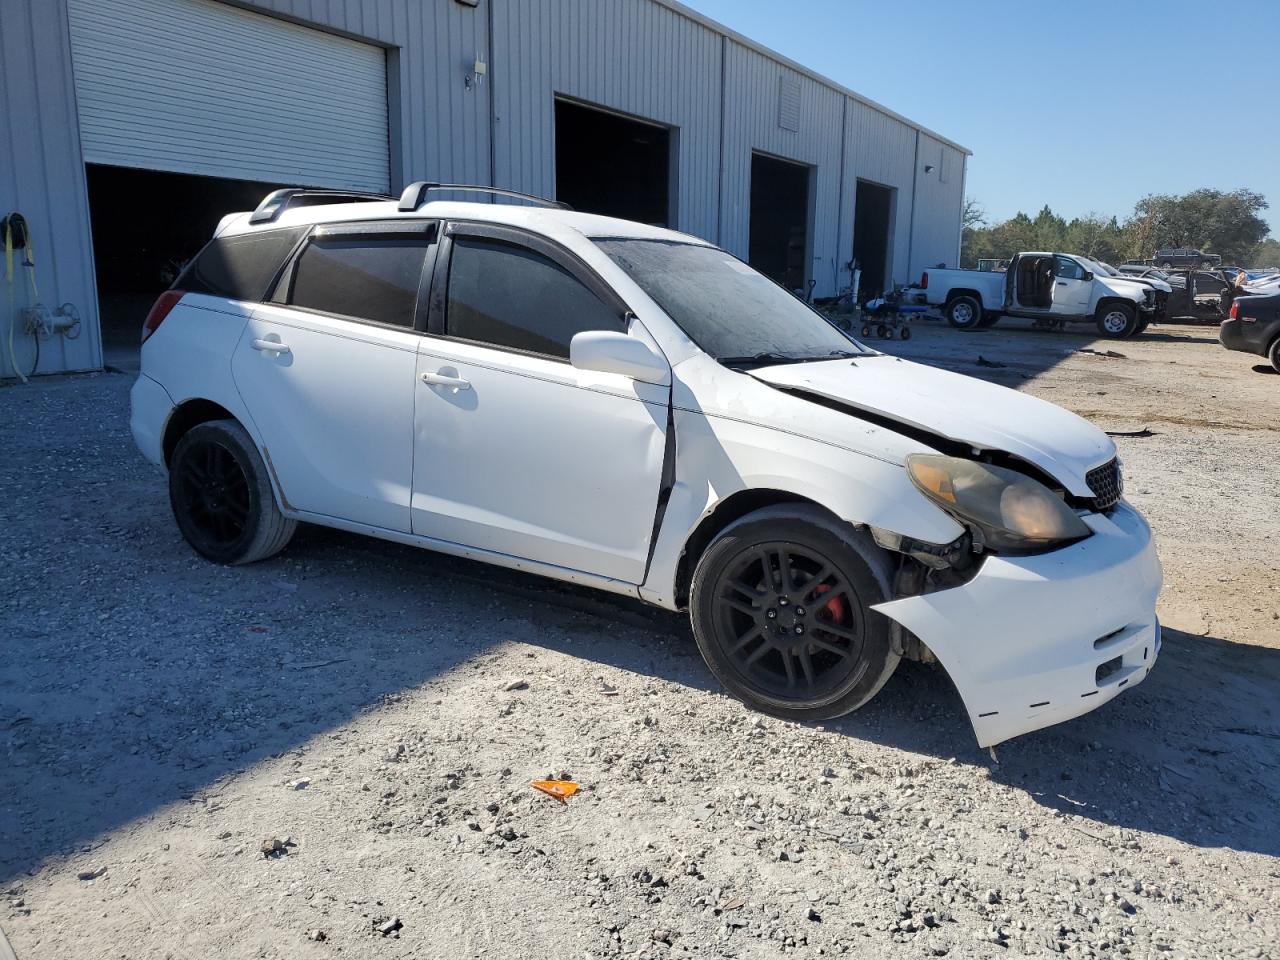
x=1069, y=269
x=508, y=296
x=734, y=313
x=367, y=278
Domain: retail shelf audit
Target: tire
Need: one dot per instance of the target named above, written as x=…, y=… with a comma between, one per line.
x=746, y=620
x=1274, y=354
x=221, y=496
x=906, y=333
x=964, y=313
x=1141, y=327
x=1117, y=320
x=1166, y=266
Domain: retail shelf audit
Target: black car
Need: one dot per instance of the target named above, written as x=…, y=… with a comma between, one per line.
x=1186, y=257
x=1254, y=327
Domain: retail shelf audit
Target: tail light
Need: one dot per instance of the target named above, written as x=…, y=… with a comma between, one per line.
x=1235, y=310
x=924, y=280
x=159, y=310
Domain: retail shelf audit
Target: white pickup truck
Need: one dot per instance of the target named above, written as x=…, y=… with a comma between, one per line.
x=1056, y=288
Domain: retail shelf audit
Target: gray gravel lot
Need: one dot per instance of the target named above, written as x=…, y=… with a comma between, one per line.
x=380, y=712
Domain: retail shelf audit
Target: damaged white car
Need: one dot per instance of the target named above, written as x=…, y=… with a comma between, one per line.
x=635, y=410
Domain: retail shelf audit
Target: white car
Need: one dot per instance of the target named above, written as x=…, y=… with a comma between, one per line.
x=635, y=410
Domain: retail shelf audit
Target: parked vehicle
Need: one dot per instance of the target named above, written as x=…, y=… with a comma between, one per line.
x=1253, y=326
x=633, y=409
x=1186, y=257
x=1139, y=271
x=1057, y=287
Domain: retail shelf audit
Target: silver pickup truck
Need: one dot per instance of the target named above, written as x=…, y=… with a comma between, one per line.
x=1057, y=288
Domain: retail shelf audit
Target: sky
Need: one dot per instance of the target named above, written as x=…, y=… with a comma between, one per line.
x=1087, y=106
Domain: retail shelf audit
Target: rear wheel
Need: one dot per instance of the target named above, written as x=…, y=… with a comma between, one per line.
x=1117, y=320
x=781, y=611
x=221, y=496
x=964, y=313
x=1274, y=354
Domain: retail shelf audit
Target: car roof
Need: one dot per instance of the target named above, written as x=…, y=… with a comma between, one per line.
x=544, y=220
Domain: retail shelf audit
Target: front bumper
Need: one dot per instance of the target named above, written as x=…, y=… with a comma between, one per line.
x=1033, y=641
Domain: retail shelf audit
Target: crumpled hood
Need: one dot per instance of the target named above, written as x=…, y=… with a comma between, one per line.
x=972, y=411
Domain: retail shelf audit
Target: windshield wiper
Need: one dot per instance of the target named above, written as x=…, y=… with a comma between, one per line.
x=769, y=359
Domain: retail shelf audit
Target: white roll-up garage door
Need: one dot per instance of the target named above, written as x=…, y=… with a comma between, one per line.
x=197, y=86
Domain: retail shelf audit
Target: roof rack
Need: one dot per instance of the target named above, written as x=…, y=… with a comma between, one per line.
x=415, y=195
x=279, y=201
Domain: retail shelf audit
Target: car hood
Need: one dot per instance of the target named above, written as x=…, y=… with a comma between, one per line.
x=964, y=409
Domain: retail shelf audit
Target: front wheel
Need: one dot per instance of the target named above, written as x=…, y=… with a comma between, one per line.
x=221, y=496
x=781, y=611
x=964, y=313
x=1117, y=320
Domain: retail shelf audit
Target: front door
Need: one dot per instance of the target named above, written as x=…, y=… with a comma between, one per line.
x=516, y=451
x=327, y=372
x=1070, y=288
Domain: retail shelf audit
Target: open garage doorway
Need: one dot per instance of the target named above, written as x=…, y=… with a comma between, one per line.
x=146, y=225
x=872, y=236
x=780, y=220
x=613, y=165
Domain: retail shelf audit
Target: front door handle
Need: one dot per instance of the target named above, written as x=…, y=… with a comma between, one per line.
x=444, y=380
x=271, y=346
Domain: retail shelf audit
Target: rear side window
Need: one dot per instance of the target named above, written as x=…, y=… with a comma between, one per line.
x=362, y=277
x=240, y=267
x=512, y=297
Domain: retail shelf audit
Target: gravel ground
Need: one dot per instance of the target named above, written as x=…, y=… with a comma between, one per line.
x=375, y=714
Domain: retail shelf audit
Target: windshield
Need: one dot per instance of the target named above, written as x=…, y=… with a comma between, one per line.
x=735, y=314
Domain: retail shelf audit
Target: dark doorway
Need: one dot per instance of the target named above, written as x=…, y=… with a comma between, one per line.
x=779, y=239
x=872, y=222
x=613, y=165
x=146, y=226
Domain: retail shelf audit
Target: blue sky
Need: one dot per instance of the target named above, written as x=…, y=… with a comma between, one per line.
x=1086, y=105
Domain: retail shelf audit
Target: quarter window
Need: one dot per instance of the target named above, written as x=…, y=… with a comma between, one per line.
x=512, y=297
x=366, y=278
x=240, y=267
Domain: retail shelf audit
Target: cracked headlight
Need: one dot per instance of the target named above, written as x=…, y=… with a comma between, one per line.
x=1010, y=511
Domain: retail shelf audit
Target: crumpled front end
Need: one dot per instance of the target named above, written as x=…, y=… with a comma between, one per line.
x=1036, y=640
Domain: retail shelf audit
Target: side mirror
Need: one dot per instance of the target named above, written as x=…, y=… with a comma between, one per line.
x=1088, y=275
x=604, y=351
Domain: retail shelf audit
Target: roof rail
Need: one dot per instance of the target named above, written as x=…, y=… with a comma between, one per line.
x=279, y=201
x=415, y=195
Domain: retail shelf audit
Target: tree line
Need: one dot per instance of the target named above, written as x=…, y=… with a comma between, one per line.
x=1212, y=221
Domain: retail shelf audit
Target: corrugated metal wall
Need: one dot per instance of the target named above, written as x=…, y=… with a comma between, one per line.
x=649, y=58
x=42, y=174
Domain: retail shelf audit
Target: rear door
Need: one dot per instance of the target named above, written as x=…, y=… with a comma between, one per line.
x=327, y=371
x=1070, y=288
x=516, y=451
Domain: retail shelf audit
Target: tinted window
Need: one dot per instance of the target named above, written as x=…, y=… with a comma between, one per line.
x=509, y=296
x=242, y=267
x=364, y=277
x=727, y=308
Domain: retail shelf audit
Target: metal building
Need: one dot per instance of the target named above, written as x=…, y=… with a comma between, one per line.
x=128, y=127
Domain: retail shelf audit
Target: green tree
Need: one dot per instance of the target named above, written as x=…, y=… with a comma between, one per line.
x=1225, y=223
x=1265, y=254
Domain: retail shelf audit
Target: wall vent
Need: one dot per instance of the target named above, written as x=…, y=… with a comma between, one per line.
x=789, y=103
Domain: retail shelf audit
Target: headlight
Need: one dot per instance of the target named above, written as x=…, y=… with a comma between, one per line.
x=1012, y=512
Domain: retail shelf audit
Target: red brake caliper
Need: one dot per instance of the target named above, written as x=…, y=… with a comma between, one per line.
x=835, y=607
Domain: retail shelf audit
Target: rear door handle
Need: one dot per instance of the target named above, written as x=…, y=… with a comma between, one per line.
x=443, y=380
x=271, y=346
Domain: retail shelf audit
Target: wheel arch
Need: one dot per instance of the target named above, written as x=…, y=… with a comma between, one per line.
x=958, y=292
x=188, y=414
x=724, y=513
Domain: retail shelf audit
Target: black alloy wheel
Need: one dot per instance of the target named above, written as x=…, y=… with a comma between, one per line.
x=781, y=610
x=212, y=491
x=790, y=623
